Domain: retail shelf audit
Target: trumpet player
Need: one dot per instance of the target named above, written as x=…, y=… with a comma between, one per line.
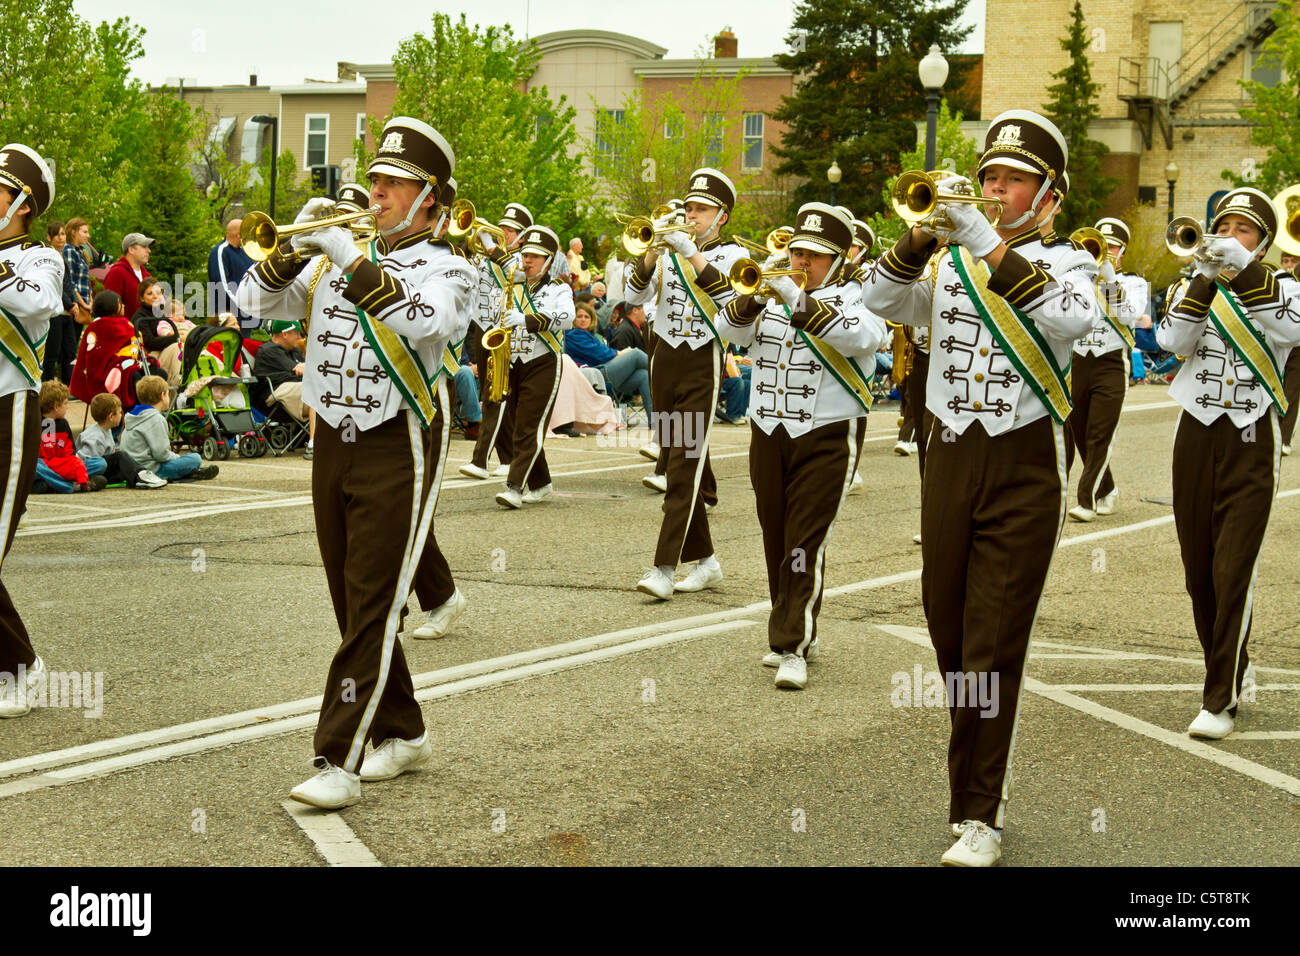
x=536, y=312
x=1004, y=310
x=1099, y=374
x=379, y=323
x=1290, y=260
x=688, y=287
x=808, y=415
x=1236, y=323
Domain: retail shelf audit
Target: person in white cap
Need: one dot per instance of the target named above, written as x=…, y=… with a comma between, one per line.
x=808, y=409
x=1004, y=310
x=1236, y=322
x=31, y=293
x=377, y=323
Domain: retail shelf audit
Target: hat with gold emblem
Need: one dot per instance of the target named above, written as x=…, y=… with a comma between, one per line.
x=23, y=169
x=1250, y=204
x=516, y=217
x=822, y=228
x=412, y=149
x=1115, y=231
x=353, y=198
x=539, y=241
x=711, y=187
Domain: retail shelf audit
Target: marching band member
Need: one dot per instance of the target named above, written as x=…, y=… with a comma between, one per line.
x=1004, y=311
x=494, y=432
x=379, y=323
x=864, y=241
x=808, y=415
x=542, y=307
x=689, y=286
x=1099, y=375
x=1291, y=374
x=1236, y=334
x=657, y=480
x=31, y=293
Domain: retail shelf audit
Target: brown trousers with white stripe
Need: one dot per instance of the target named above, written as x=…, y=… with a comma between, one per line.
x=493, y=431
x=1098, y=384
x=685, y=394
x=914, y=387
x=373, y=497
x=1225, y=479
x=20, y=440
x=434, y=584
x=799, y=486
x=991, y=515
x=533, y=386
x=1291, y=388
x=708, y=483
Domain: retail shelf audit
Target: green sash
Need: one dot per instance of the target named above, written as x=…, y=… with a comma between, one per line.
x=845, y=370
x=1247, y=341
x=1120, y=328
x=400, y=361
x=529, y=307
x=1017, y=335
x=686, y=272
x=15, y=345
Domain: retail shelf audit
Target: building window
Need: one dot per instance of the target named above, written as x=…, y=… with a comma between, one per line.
x=1263, y=68
x=606, y=138
x=318, y=139
x=752, y=157
x=361, y=128
x=673, y=127
x=713, y=139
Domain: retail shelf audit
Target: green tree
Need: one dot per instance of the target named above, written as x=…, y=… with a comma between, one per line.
x=859, y=94
x=292, y=187
x=1274, y=111
x=512, y=144
x=1073, y=105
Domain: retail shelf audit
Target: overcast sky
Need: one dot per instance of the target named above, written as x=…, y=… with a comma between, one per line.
x=285, y=41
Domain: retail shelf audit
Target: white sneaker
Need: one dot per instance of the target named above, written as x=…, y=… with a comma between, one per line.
x=510, y=498
x=1106, y=503
x=650, y=450
x=1080, y=513
x=147, y=479
x=656, y=583
x=500, y=471
x=911, y=447
x=394, y=757
x=901, y=448
x=657, y=483
x=705, y=574
x=1286, y=451
x=773, y=658
x=331, y=789
x=916, y=538
x=858, y=486
x=1210, y=726
x=534, y=495
x=441, y=618
x=793, y=672
x=472, y=470
x=978, y=846
x=13, y=694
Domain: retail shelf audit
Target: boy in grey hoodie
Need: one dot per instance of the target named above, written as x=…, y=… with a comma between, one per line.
x=145, y=439
x=97, y=441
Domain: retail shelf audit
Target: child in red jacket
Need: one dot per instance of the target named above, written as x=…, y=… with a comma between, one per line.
x=58, y=451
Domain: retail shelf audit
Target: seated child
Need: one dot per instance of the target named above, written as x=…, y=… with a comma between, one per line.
x=144, y=436
x=97, y=441
x=59, y=468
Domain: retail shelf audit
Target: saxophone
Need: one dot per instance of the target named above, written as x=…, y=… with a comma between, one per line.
x=496, y=342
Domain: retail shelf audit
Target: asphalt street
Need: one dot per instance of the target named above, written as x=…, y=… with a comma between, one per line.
x=577, y=721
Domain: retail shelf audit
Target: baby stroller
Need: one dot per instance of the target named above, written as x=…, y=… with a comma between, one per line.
x=218, y=409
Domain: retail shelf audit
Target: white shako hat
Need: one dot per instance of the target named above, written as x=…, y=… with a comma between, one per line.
x=353, y=197
x=711, y=187
x=1253, y=205
x=23, y=169
x=1115, y=231
x=539, y=240
x=1023, y=139
x=516, y=217
x=822, y=228
x=412, y=149
x=863, y=236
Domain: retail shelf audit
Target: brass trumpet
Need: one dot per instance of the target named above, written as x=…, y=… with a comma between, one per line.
x=1185, y=237
x=658, y=213
x=641, y=236
x=1287, y=203
x=747, y=277
x=464, y=221
x=778, y=242
x=260, y=237
x=1096, y=244
x=917, y=198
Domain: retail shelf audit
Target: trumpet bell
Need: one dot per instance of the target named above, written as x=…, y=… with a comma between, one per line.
x=747, y=277
x=1183, y=236
x=1092, y=240
x=258, y=236
x=916, y=197
x=465, y=222
x=1287, y=203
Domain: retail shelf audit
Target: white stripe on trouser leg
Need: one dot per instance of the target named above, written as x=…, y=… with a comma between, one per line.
x=17, y=423
x=819, y=562
x=704, y=452
x=1254, y=568
x=1101, y=473
x=544, y=424
x=410, y=558
x=1058, y=432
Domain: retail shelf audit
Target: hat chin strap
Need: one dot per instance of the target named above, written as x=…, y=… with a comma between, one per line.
x=835, y=264
x=13, y=208
x=410, y=213
x=713, y=227
x=442, y=217
x=1028, y=213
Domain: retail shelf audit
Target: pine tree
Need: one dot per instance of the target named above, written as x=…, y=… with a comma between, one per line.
x=860, y=95
x=1275, y=110
x=1073, y=105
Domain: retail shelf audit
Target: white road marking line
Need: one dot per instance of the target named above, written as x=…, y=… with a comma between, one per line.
x=1265, y=735
x=175, y=514
x=1139, y=526
x=333, y=838
x=37, y=503
x=1090, y=688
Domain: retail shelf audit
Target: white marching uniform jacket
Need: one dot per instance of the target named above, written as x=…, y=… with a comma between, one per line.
x=421, y=291
x=676, y=319
x=487, y=304
x=31, y=290
x=1128, y=297
x=553, y=301
x=789, y=386
x=1214, y=381
x=971, y=379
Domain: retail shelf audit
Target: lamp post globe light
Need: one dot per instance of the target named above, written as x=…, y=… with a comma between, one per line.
x=834, y=175
x=933, y=70
x=1171, y=177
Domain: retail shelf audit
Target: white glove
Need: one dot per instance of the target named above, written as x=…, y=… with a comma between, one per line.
x=333, y=242
x=788, y=290
x=318, y=208
x=514, y=319
x=1235, y=256
x=486, y=239
x=972, y=230
x=1208, y=268
x=1107, y=271
x=681, y=243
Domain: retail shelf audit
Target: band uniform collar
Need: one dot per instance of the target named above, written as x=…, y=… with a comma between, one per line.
x=15, y=241
x=424, y=235
x=709, y=243
x=1024, y=238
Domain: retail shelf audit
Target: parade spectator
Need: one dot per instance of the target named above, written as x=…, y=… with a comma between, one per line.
x=125, y=275
x=614, y=267
x=578, y=266
x=144, y=436
x=64, y=470
x=625, y=371
x=628, y=327
x=158, y=333
x=97, y=440
x=77, y=256
x=61, y=340
x=227, y=263
x=280, y=361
